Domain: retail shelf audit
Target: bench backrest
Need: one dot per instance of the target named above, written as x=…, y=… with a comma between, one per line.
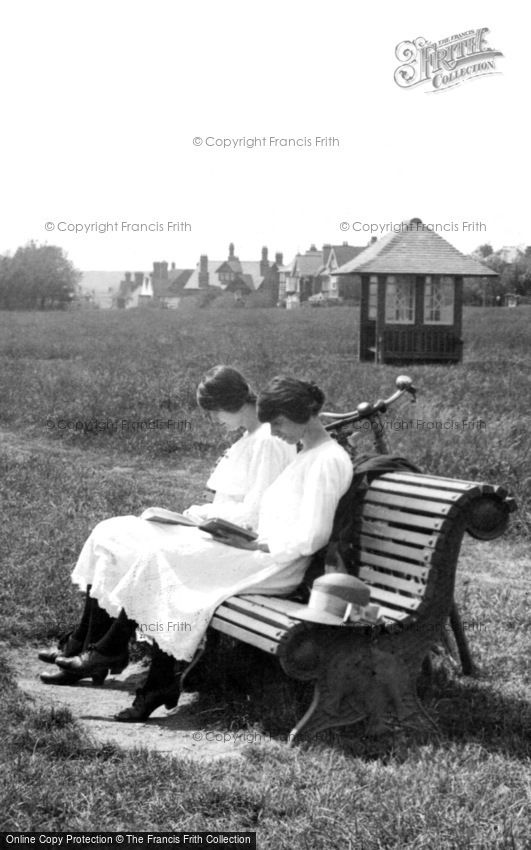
x=402, y=537
x=408, y=529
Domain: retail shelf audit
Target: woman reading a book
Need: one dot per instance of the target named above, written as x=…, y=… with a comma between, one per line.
x=100, y=642
x=295, y=520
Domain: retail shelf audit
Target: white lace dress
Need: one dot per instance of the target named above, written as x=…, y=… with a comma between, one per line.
x=173, y=590
x=240, y=479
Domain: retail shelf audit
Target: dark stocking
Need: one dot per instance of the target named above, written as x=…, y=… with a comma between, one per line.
x=116, y=638
x=95, y=623
x=81, y=630
x=161, y=672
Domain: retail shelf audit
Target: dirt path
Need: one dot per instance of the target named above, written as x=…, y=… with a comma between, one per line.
x=181, y=732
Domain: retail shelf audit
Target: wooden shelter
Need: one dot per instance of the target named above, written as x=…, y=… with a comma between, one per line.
x=412, y=296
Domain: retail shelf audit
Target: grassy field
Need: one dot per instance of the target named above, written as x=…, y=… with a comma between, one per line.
x=73, y=388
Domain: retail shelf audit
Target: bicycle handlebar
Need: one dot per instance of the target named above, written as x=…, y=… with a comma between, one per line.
x=365, y=410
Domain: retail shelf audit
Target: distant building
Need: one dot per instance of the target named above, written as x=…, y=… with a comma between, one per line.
x=160, y=288
x=168, y=284
x=312, y=276
x=239, y=277
x=412, y=296
x=302, y=280
x=132, y=288
x=511, y=253
x=333, y=286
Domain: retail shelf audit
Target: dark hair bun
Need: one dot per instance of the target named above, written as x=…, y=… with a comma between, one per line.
x=224, y=388
x=290, y=397
x=317, y=395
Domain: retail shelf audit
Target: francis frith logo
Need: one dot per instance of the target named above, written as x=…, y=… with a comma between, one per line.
x=447, y=62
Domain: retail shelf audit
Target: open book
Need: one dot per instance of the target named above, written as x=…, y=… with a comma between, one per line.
x=216, y=526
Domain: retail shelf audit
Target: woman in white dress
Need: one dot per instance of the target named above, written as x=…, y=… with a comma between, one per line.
x=175, y=598
x=242, y=475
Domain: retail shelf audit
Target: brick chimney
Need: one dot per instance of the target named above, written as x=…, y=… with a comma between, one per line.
x=139, y=278
x=279, y=259
x=326, y=252
x=203, y=271
x=164, y=270
x=231, y=251
x=264, y=263
x=128, y=277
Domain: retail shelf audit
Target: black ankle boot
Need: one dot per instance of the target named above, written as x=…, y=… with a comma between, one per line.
x=147, y=701
x=63, y=677
x=66, y=647
x=91, y=663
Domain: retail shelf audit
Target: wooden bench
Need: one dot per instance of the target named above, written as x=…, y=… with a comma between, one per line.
x=404, y=542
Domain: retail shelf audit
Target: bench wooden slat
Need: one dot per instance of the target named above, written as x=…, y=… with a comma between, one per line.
x=398, y=550
x=394, y=599
x=244, y=635
x=392, y=582
x=382, y=497
x=287, y=606
x=371, y=559
x=231, y=615
x=438, y=482
x=402, y=535
x=408, y=489
x=247, y=605
x=401, y=517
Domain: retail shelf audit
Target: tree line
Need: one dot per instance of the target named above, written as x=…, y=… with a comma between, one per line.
x=37, y=277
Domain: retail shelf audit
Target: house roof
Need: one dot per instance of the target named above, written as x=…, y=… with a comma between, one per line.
x=213, y=280
x=171, y=288
x=308, y=264
x=341, y=253
x=246, y=270
x=414, y=250
x=345, y=253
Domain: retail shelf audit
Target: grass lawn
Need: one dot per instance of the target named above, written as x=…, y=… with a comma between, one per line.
x=470, y=788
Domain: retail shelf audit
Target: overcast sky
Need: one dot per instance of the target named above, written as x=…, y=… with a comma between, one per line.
x=102, y=100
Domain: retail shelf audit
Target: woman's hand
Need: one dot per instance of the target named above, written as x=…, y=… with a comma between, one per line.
x=239, y=542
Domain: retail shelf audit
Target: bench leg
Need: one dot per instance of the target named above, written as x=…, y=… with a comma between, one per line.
x=364, y=684
x=465, y=656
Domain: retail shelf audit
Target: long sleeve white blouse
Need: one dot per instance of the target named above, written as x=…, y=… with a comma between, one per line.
x=297, y=512
x=242, y=476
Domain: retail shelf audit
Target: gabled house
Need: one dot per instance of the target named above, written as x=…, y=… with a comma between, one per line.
x=239, y=277
x=160, y=288
x=334, y=287
x=302, y=280
x=312, y=275
x=168, y=284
